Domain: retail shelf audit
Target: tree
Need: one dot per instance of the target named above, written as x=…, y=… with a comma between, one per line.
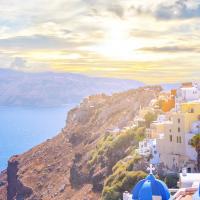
x=171, y=180
x=149, y=118
x=195, y=142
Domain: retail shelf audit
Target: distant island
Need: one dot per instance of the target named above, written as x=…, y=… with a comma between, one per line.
x=55, y=89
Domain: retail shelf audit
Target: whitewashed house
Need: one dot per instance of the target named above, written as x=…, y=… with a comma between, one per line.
x=147, y=148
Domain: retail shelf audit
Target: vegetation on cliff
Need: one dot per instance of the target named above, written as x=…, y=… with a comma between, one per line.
x=123, y=178
x=113, y=147
x=116, y=152
x=195, y=142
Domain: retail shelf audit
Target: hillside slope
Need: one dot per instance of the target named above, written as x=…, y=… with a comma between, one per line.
x=58, y=169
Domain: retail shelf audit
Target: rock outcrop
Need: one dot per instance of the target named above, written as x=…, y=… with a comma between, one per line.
x=3, y=185
x=57, y=169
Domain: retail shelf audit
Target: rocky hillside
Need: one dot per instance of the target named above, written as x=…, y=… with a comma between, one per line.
x=3, y=185
x=61, y=168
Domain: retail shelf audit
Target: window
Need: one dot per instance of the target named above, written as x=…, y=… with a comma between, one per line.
x=180, y=139
x=179, y=120
x=170, y=138
x=179, y=129
x=189, y=170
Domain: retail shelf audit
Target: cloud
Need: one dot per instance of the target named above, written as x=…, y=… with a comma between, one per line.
x=169, y=10
x=18, y=63
x=80, y=35
x=100, y=7
x=171, y=49
x=179, y=10
x=117, y=9
x=143, y=33
x=41, y=42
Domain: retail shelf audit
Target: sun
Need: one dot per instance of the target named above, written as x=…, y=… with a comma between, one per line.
x=118, y=44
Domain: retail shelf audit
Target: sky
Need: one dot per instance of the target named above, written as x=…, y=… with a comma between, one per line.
x=155, y=41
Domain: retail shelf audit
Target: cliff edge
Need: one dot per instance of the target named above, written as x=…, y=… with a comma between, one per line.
x=58, y=168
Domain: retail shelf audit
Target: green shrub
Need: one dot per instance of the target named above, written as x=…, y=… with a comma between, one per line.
x=140, y=133
x=111, y=194
x=149, y=118
x=124, y=139
x=113, y=146
x=119, y=182
x=122, y=178
x=171, y=180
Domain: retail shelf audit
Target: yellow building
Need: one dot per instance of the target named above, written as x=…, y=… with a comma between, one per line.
x=173, y=132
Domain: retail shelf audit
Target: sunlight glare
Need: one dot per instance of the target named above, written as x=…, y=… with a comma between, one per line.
x=118, y=44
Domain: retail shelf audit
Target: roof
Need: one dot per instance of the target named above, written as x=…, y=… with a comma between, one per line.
x=150, y=186
x=187, y=84
x=185, y=193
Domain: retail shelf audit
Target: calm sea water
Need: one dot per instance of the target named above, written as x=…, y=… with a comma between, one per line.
x=23, y=128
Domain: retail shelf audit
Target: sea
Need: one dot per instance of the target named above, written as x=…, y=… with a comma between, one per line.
x=21, y=128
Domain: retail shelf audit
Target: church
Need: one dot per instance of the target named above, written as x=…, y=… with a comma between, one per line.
x=152, y=188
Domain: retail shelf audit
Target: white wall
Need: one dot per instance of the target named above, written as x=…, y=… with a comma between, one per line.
x=127, y=196
x=189, y=94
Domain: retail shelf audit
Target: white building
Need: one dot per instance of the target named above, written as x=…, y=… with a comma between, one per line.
x=187, y=180
x=147, y=148
x=188, y=92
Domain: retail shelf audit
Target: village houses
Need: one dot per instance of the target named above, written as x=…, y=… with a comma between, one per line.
x=168, y=138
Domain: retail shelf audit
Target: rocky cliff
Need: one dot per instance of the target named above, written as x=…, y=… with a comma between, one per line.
x=58, y=169
x=3, y=185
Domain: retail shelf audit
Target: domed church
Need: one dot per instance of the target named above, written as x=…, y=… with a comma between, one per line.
x=150, y=188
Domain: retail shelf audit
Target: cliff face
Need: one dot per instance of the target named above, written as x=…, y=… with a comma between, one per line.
x=3, y=185
x=58, y=168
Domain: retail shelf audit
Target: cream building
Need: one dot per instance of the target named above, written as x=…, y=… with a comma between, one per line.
x=173, y=133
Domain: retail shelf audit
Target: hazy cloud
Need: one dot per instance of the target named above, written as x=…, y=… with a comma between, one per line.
x=179, y=10
x=99, y=7
x=117, y=9
x=143, y=33
x=92, y=35
x=18, y=63
x=41, y=42
x=169, y=10
x=171, y=49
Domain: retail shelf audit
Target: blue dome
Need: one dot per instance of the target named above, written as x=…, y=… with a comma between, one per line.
x=148, y=187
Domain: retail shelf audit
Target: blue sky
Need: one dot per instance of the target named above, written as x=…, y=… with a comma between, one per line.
x=152, y=41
